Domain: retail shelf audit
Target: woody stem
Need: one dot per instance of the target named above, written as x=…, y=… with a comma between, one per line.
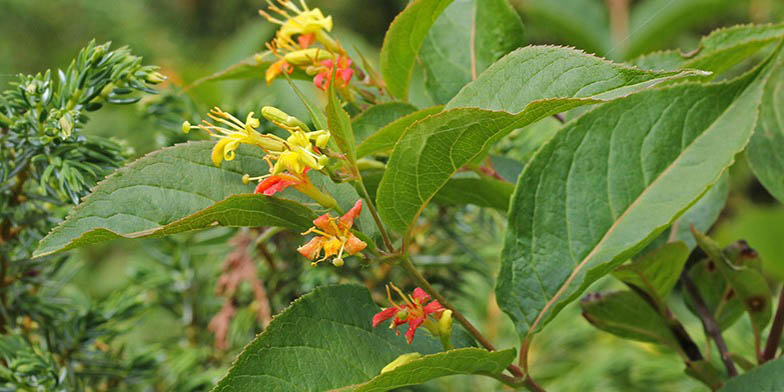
x=405, y=261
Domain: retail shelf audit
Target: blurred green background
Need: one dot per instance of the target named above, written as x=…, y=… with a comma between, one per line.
x=191, y=39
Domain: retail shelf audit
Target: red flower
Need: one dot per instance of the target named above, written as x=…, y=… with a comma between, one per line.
x=335, y=237
x=274, y=184
x=414, y=312
x=344, y=73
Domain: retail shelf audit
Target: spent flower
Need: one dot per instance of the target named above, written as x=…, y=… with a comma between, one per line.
x=334, y=237
x=416, y=311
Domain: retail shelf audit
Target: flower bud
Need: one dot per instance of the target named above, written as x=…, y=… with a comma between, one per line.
x=307, y=56
x=322, y=140
x=445, y=324
x=400, y=361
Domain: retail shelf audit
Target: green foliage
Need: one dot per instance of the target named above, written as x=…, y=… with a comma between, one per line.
x=625, y=314
x=766, y=148
x=465, y=40
x=328, y=326
x=545, y=163
x=166, y=182
x=766, y=378
x=403, y=40
x=718, y=51
x=551, y=210
x=657, y=272
x=460, y=361
x=385, y=138
x=463, y=135
x=367, y=123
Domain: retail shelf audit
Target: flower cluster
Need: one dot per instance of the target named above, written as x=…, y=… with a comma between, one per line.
x=289, y=159
x=416, y=312
x=295, y=45
x=334, y=237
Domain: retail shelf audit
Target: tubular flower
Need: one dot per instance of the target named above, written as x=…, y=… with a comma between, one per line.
x=274, y=184
x=238, y=132
x=415, y=312
x=334, y=237
x=344, y=73
x=301, y=21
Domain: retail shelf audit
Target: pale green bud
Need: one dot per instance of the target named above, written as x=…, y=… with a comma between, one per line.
x=400, y=361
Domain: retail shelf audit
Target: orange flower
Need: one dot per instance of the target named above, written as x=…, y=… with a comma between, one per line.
x=334, y=237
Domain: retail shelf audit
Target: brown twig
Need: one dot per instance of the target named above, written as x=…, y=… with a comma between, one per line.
x=709, y=323
x=774, y=338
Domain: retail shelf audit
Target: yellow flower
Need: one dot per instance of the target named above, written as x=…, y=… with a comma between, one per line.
x=303, y=21
x=238, y=132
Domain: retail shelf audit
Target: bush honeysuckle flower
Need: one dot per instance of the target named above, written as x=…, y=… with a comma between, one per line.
x=304, y=20
x=238, y=132
x=416, y=312
x=307, y=26
x=293, y=156
x=343, y=73
x=334, y=237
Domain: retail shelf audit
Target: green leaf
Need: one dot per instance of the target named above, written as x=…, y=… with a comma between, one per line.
x=656, y=272
x=764, y=378
x=581, y=23
x=766, y=148
x=464, y=41
x=610, y=182
x=479, y=190
x=703, y=214
x=340, y=126
x=328, y=332
x=403, y=40
x=747, y=283
x=376, y=117
x=653, y=23
x=548, y=80
x=174, y=190
x=428, y=367
x=386, y=137
x=718, y=51
x=626, y=314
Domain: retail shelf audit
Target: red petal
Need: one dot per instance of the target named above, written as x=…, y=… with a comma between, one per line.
x=346, y=74
x=321, y=80
x=348, y=218
x=412, y=326
x=272, y=185
x=421, y=296
x=384, y=315
x=433, y=307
